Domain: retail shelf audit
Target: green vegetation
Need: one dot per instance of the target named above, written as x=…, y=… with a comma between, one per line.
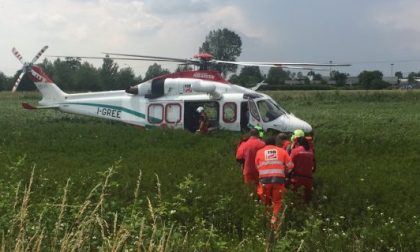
x=71, y=182
x=223, y=44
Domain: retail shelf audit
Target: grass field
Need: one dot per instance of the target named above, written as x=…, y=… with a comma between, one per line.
x=70, y=182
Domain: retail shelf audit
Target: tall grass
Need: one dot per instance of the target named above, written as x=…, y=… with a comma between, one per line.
x=57, y=193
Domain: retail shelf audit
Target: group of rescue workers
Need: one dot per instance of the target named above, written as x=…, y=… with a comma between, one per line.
x=277, y=163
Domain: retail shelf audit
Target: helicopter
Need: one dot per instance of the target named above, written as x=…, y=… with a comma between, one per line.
x=171, y=100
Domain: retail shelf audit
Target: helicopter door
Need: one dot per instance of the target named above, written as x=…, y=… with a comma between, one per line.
x=254, y=118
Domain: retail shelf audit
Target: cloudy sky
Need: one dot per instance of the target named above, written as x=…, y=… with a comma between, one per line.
x=371, y=34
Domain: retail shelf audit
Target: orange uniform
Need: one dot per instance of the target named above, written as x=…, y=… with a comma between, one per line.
x=246, y=151
x=203, y=123
x=273, y=164
x=302, y=172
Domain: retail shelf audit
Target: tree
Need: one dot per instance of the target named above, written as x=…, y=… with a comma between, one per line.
x=234, y=78
x=183, y=68
x=315, y=76
x=276, y=75
x=371, y=79
x=3, y=81
x=339, y=78
x=399, y=75
x=6, y=83
x=412, y=77
x=63, y=72
x=126, y=78
x=223, y=44
x=299, y=75
x=48, y=67
x=87, y=78
x=108, y=73
x=155, y=70
x=249, y=76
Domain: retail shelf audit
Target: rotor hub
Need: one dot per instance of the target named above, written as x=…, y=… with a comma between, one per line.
x=203, y=56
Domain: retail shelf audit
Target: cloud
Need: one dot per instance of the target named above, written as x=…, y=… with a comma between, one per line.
x=232, y=17
x=402, y=19
x=402, y=15
x=177, y=8
x=104, y=22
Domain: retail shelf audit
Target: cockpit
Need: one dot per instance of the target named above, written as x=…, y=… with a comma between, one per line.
x=270, y=110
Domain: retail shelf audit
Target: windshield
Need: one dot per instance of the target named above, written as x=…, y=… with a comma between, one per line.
x=269, y=110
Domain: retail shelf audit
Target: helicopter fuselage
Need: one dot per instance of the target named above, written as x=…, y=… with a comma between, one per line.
x=171, y=101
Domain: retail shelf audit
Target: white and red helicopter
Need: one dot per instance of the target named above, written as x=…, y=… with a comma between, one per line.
x=171, y=100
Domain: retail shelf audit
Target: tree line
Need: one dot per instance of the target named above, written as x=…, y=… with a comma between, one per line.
x=73, y=74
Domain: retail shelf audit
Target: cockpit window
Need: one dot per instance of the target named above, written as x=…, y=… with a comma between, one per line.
x=269, y=110
x=253, y=110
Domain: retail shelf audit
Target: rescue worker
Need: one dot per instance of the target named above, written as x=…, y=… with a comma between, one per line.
x=273, y=164
x=310, y=140
x=260, y=131
x=300, y=133
x=246, y=152
x=203, y=121
x=296, y=134
x=303, y=160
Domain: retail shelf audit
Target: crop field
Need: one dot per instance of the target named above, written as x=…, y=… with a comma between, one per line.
x=76, y=183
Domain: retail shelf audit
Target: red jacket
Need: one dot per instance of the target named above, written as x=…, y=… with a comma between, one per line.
x=247, y=151
x=303, y=161
x=286, y=144
x=273, y=164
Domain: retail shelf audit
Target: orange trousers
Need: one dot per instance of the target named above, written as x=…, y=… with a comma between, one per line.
x=271, y=194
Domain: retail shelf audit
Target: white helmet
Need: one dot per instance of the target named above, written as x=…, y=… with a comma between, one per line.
x=200, y=109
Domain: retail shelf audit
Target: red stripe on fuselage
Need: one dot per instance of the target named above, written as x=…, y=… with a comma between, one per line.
x=209, y=75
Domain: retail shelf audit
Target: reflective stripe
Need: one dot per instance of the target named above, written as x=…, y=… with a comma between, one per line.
x=271, y=162
x=271, y=171
x=306, y=152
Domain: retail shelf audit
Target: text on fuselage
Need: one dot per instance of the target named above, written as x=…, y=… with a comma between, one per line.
x=115, y=113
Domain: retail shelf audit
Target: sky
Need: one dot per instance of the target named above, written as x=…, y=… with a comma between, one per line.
x=369, y=34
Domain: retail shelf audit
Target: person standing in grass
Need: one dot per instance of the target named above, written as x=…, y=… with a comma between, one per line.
x=246, y=152
x=273, y=164
x=302, y=174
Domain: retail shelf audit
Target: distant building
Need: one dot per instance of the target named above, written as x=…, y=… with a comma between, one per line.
x=393, y=80
x=405, y=84
x=405, y=80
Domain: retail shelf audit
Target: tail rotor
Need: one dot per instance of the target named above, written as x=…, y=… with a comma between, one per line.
x=27, y=66
x=18, y=81
x=39, y=54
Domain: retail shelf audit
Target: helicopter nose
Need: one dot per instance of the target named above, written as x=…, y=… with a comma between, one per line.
x=290, y=123
x=296, y=123
x=306, y=127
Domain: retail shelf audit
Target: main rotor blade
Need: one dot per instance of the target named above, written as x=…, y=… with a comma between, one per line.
x=143, y=57
x=100, y=58
x=18, y=81
x=304, y=68
x=17, y=55
x=279, y=64
x=39, y=54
